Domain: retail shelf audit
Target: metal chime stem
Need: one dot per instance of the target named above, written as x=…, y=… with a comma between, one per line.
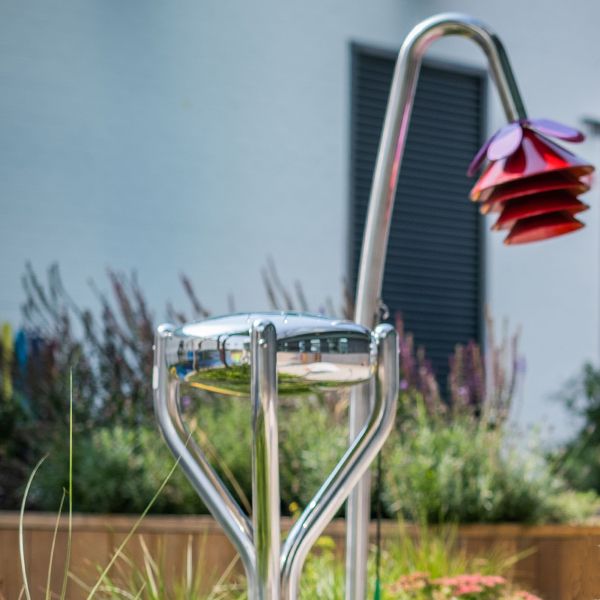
x=381, y=202
x=265, y=461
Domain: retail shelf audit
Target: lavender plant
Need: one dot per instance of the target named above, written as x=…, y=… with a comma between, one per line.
x=481, y=383
x=109, y=352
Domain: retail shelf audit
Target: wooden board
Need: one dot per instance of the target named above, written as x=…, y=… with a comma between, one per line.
x=559, y=562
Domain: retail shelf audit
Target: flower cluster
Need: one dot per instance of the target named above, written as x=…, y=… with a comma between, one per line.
x=462, y=585
x=466, y=586
x=410, y=583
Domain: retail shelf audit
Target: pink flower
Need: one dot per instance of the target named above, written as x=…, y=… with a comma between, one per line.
x=469, y=583
x=523, y=595
x=492, y=580
x=410, y=582
x=467, y=588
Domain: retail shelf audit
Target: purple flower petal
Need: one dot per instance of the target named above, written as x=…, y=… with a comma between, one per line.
x=505, y=142
x=554, y=129
x=478, y=159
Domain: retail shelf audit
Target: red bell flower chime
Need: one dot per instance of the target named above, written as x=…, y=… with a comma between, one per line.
x=531, y=181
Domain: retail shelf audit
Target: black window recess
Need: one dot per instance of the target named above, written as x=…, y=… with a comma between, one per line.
x=433, y=271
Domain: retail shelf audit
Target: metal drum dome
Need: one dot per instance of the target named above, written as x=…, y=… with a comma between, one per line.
x=313, y=353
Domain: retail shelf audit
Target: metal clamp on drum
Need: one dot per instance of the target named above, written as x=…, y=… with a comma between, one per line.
x=263, y=355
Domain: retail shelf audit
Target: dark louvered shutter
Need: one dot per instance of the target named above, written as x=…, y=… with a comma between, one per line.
x=433, y=269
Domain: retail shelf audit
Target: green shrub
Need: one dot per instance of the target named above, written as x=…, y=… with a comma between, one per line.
x=578, y=460
x=311, y=442
x=117, y=469
x=433, y=470
x=466, y=471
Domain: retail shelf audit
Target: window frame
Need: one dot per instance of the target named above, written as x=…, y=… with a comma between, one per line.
x=357, y=49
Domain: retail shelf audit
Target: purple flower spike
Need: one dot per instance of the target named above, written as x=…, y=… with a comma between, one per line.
x=554, y=129
x=505, y=142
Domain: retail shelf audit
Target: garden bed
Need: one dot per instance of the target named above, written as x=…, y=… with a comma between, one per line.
x=563, y=564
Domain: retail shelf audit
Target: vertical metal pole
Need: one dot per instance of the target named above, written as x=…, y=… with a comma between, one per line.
x=358, y=509
x=381, y=203
x=265, y=461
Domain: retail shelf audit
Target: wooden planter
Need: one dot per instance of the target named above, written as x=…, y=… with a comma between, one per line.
x=565, y=563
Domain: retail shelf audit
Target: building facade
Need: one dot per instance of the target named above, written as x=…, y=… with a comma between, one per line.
x=204, y=137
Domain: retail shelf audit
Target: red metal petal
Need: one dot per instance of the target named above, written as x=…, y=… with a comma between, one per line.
x=542, y=227
x=505, y=142
x=538, y=204
x=535, y=156
x=559, y=180
x=492, y=199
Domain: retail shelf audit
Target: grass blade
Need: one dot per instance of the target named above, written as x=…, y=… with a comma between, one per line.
x=151, y=568
x=139, y=594
x=188, y=570
x=131, y=532
x=51, y=559
x=63, y=593
x=224, y=576
x=213, y=454
x=21, y=535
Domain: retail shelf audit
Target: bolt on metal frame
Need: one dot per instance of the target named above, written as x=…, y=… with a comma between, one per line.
x=381, y=203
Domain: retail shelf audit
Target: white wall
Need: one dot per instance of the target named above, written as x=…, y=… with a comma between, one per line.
x=203, y=136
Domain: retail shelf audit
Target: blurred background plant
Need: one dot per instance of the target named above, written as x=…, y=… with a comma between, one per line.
x=468, y=472
x=451, y=457
x=109, y=352
x=482, y=382
x=578, y=460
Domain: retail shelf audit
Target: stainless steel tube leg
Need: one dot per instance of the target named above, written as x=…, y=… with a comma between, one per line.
x=265, y=461
x=194, y=463
x=358, y=511
x=356, y=460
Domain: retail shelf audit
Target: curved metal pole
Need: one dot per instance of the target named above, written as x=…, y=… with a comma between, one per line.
x=201, y=475
x=352, y=465
x=381, y=203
